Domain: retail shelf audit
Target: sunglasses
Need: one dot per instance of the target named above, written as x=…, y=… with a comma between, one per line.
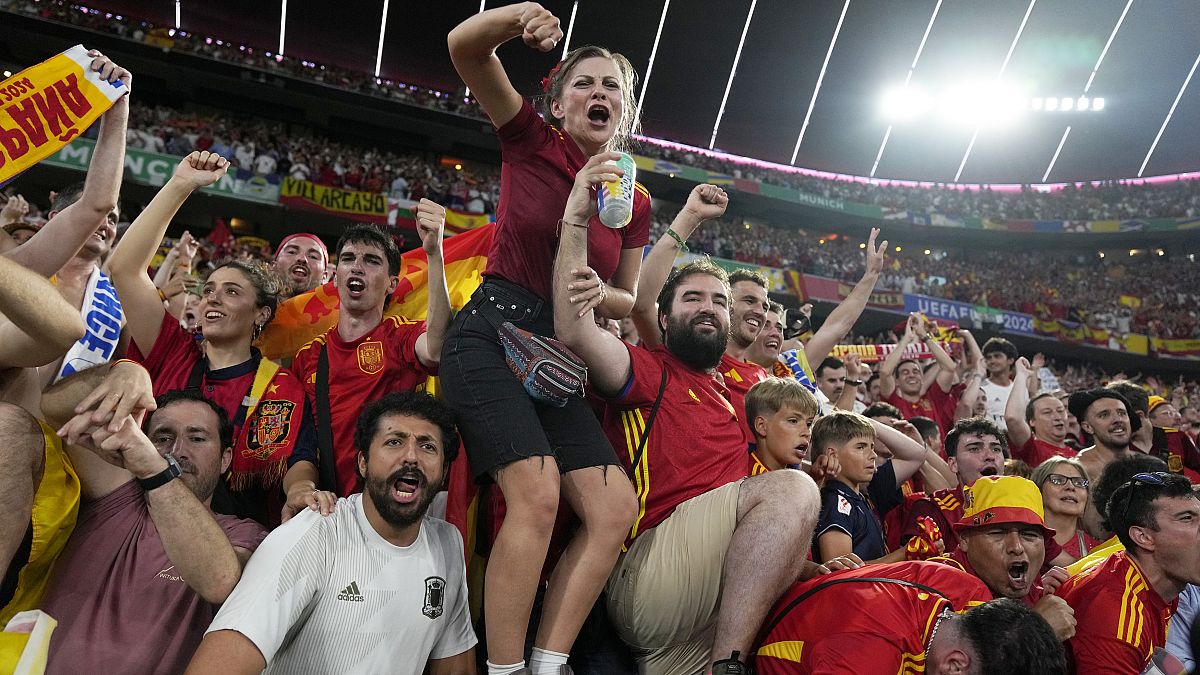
x=1059, y=480
x=1153, y=479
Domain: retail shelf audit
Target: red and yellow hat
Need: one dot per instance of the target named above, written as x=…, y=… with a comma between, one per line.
x=1156, y=401
x=1002, y=499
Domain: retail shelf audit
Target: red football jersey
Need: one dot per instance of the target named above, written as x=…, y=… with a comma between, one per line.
x=537, y=171
x=1035, y=451
x=936, y=404
x=864, y=626
x=1120, y=618
x=695, y=445
x=739, y=377
x=382, y=361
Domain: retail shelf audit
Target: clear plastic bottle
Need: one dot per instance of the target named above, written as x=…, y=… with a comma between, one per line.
x=615, y=199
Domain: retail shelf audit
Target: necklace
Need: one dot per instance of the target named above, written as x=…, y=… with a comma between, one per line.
x=933, y=633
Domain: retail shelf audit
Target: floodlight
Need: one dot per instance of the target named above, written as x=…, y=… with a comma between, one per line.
x=1098, y=103
x=1082, y=103
x=1051, y=103
x=1067, y=103
x=1036, y=104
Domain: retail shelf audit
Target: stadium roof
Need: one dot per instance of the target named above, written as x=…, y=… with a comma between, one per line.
x=1137, y=56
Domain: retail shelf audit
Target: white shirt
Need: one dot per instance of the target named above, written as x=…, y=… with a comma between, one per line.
x=329, y=595
x=997, y=399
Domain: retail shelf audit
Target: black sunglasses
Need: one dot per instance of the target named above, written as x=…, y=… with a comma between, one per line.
x=1155, y=478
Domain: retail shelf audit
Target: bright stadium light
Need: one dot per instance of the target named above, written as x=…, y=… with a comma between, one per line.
x=1066, y=104
x=1051, y=104
x=1098, y=103
x=1036, y=104
x=905, y=103
x=1082, y=103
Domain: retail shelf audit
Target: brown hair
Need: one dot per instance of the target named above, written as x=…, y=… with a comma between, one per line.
x=553, y=84
x=267, y=286
x=838, y=428
x=771, y=395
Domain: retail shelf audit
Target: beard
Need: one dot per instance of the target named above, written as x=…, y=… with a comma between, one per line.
x=396, y=514
x=202, y=484
x=701, y=352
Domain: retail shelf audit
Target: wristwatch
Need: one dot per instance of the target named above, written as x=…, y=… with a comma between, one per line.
x=163, y=477
x=853, y=383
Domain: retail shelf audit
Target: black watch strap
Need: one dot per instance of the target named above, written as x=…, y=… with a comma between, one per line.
x=163, y=477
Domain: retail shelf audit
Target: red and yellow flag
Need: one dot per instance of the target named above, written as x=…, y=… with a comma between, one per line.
x=300, y=319
x=45, y=107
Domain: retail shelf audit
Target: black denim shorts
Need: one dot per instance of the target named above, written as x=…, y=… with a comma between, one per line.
x=499, y=422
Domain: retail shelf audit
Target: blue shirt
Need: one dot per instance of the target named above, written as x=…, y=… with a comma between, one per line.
x=845, y=509
x=1179, y=641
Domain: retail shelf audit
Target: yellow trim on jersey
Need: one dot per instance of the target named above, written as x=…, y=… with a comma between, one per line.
x=758, y=467
x=947, y=502
x=788, y=650
x=911, y=664
x=398, y=320
x=635, y=425
x=1132, y=616
x=641, y=188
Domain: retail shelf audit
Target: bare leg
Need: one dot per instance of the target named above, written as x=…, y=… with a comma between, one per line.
x=777, y=512
x=530, y=488
x=604, y=501
x=22, y=456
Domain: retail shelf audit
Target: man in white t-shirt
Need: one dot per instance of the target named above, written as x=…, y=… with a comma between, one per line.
x=374, y=587
x=999, y=355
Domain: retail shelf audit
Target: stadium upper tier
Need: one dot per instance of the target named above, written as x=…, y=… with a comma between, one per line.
x=1098, y=208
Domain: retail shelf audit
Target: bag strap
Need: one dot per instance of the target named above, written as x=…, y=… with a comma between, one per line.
x=833, y=582
x=326, y=464
x=637, y=458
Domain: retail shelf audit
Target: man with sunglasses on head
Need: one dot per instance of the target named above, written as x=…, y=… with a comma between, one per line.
x=1123, y=605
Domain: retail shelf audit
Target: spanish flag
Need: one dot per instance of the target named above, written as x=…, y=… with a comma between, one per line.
x=302, y=318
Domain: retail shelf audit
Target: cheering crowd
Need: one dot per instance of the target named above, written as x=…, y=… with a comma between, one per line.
x=670, y=474
x=1110, y=200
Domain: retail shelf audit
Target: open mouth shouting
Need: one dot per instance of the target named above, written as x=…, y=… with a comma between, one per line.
x=355, y=287
x=407, y=485
x=213, y=316
x=299, y=271
x=1018, y=576
x=802, y=450
x=598, y=115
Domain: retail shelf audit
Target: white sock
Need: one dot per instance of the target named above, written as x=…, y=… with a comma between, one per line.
x=494, y=669
x=545, y=662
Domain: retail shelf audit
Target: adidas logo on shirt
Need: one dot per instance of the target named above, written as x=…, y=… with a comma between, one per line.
x=350, y=593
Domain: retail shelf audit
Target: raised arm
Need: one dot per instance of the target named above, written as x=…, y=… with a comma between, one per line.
x=36, y=324
x=704, y=203
x=842, y=318
x=606, y=356
x=965, y=407
x=473, y=46
x=431, y=222
x=907, y=455
x=136, y=249
x=887, y=369
x=56, y=243
x=1019, y=432
x=92, y=397
x=194, y=542
x=947, y=368
x=849, y=391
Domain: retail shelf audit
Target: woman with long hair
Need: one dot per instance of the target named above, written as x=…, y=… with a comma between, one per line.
x=1064, y=484
x=273, y=430
x=534, y=452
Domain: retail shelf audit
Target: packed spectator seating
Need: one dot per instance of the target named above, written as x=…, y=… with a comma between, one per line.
x=257, y=508
x=1109, y=200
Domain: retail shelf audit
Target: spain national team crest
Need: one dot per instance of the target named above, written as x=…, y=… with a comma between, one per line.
x=435, y=597
x=270, y=429
x=370, y=357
